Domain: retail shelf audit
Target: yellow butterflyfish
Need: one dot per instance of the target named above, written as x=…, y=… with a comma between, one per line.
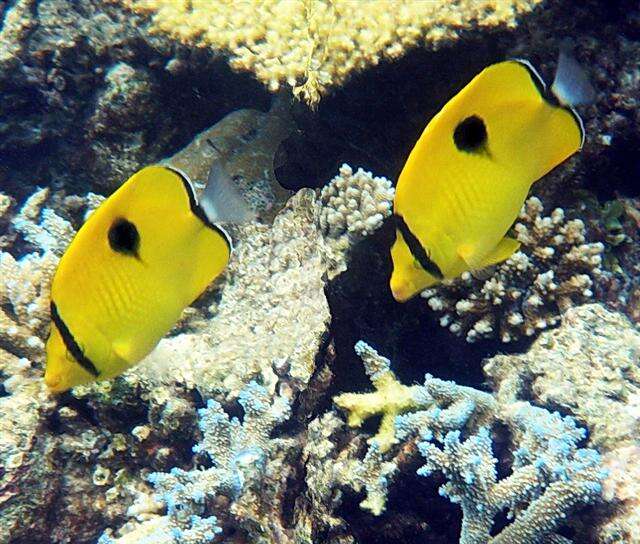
x=144, y=255
x=469, y=173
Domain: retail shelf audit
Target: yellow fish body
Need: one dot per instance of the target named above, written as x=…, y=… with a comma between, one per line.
x=469, y=173
x=138, y=261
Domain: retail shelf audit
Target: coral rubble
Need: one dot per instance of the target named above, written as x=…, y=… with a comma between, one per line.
x=555, y=268
x=315, y=45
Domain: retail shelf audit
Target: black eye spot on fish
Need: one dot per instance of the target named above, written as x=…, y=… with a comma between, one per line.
x=470, y=134
x=124, y=237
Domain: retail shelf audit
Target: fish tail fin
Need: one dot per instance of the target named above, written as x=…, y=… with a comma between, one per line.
x=571, y=85
x=221, y=200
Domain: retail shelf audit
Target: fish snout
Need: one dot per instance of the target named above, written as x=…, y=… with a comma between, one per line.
x=54, y=379
x=400, y=290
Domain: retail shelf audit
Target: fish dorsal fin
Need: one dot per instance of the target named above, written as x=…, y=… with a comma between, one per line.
x=221, y=201
x=196, y=207
x=505, y=248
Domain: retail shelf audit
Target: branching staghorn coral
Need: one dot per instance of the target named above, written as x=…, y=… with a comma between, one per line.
x=239, y=453
x=555, y=268
x=313, y=45
x=353, y=206
x=392, y=398
x=550, y=476
x=588, y=367
x=546, y=484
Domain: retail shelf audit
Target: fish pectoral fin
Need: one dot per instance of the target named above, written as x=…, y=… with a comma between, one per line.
x=505, y=248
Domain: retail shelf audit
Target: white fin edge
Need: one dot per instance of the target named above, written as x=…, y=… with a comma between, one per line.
x=534, y=72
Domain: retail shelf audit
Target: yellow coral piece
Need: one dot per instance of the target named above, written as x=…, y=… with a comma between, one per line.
x=390, y=399
x=313, y=45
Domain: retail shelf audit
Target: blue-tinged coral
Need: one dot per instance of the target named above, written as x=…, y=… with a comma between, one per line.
x=588, y=367
x=238, y=452
x=444, y=404
x=551, y=475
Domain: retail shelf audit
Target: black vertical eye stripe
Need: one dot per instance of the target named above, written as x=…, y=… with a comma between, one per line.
x=416, y=248
x=124, y=237
x=71, y=344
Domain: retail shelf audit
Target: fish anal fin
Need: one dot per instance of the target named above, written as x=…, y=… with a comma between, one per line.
x=502, y=251
x=124, y=350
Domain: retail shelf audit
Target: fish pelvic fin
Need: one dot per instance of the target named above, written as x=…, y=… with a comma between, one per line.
x=501, y=252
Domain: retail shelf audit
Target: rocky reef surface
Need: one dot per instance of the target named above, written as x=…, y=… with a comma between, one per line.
x=295, y=401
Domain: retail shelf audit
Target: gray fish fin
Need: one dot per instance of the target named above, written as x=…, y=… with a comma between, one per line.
x=571, y=85
x=221, y=201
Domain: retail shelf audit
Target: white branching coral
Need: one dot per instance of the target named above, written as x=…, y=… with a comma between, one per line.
x=25, y=282
x=555, y=268
x=24, y=301
x=42, y=226
x=353, y=206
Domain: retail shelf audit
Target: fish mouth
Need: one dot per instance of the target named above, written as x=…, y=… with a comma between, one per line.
x=401, y=291
x=54, y=382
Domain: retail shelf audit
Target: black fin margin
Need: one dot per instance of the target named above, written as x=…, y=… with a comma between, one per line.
x=417, y=249
x=71, y=344
x=195, y=207
x=549, y=97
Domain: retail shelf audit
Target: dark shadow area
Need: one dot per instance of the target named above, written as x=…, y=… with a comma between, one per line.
x=618, y=170
x=374, y=121
x=415, y=513
x=408, y=334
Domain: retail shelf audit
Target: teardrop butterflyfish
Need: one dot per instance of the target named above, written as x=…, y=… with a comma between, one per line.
x=469, y=173
x=144, y=255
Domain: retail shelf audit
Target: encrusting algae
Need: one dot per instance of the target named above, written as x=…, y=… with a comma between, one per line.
x=315, y=45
